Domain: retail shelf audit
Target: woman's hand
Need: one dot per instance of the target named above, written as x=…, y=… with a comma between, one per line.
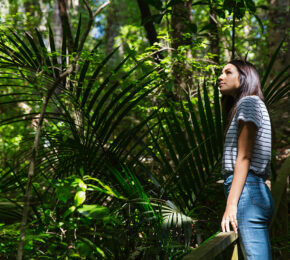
x=230, y=216
x=268, y=183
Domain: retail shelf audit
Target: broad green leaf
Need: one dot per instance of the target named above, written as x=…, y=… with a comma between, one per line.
x=93, y=211
x=79, y=198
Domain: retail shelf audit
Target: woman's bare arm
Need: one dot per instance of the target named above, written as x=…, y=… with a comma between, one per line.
x=246, y=142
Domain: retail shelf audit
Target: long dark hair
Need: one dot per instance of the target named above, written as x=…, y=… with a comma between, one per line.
x=249, y=85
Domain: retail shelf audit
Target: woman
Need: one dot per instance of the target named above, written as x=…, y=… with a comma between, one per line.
x=246, y=159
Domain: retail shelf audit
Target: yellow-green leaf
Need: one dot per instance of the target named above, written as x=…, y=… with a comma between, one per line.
x=80, y=197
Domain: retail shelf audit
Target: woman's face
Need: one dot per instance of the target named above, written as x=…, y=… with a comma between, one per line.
x=229, y=80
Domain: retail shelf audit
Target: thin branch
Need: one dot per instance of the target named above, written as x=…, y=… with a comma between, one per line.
x=101, y=8
x=92, y=18
x=213, y=19
x=155, y=52
x=50, y=92
x=89, y=8
x=31, y=172
x=91, y=14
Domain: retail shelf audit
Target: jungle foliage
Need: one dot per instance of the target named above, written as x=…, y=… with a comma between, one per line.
x=104, y=156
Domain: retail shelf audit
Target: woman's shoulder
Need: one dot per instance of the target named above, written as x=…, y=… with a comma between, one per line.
x=250, y=100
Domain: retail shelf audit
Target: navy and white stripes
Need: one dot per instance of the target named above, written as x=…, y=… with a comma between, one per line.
x=253, y=109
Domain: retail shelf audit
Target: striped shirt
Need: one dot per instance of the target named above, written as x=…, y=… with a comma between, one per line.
x=250, y=109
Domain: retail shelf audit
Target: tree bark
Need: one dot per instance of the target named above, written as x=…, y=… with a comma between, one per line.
x=279, y=23
x=56, y=25
x=278, y=28
x=112, y=26
x=180, y=23
x=214, y=36
x=181, y=18
x=65, y=23
x=149, y=25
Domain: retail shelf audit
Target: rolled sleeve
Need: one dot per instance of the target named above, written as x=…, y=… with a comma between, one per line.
x=248, y=110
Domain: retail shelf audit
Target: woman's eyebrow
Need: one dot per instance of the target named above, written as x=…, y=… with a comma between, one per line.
x=226, y=70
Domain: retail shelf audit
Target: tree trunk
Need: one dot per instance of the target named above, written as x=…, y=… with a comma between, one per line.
x=180, y=23
x=214, y=36
x=279, y=23
x=113, y=25
x=149, y=25
x=65, y=23
x=56, y=26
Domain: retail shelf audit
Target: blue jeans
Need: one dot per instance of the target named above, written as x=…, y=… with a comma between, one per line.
x=254, y=214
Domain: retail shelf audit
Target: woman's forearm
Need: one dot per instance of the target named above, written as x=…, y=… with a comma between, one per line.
x=240, y=174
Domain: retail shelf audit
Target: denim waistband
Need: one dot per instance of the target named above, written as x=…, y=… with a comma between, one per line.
x=250, y=173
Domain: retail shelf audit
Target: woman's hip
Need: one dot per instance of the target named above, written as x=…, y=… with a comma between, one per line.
x=256, y=203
